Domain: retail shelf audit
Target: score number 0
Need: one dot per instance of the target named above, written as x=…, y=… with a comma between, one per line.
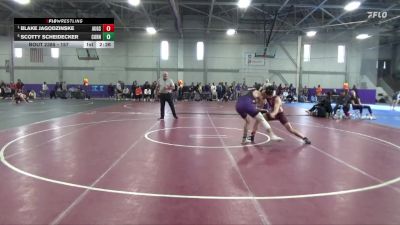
x=108, y=27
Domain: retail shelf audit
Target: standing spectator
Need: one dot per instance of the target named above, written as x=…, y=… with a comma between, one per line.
x=134, y=86
x=318, y=91
x=180, y=90
x=219, y=91
x=53, y=93
x=292, y=90
x=110, y=90
x=304, y=94
x=265, y=85
x=213, y=92
x=19, y=85
x=2, y=89
x=153, y=90
x=138, y=93
x=207, y=92
x=355, y=89
x=279, y=90
x=395, y=99
x=244, y=87
x=119, y=90
x=44, y=91
x=146, y=91
x=224, y=88
x=191, y=91
x=64, y=86
x=126, y=93
x=274, y=85
x=346, y=86
x=238, y=89
x=166, y=86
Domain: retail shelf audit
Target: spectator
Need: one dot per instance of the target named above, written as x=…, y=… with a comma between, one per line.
x=304, y=94
x=219, y=91
x=126, y=93
x=146, y=91
x=7, y=92
x=238, y=90
x=342, y=101
x=395, y=99
x=44, y=90
x=323, y=108
x=214, y=92
x=318, y=91
x=355, y=89
x=279, y=90
x=19, y=86
x=119, y=90
x=2, y=89
x=32, y=94
x=110, y=90
x=356, y=103
x=153, y=90
x=265, y=85
x=138, y=93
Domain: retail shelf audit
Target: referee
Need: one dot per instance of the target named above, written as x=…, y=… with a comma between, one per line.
x=165, y=86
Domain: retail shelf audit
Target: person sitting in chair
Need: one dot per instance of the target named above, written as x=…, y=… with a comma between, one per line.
x=356, y=103
x=342, y=101
x=322, y=108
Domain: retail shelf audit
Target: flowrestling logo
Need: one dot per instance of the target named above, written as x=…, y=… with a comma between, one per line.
x=379, y=15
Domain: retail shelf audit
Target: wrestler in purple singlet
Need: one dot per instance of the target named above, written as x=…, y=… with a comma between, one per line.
x=245, y=105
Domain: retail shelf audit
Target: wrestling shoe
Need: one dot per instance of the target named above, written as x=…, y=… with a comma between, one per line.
x=251, y=139
x=276, y=138
x=306, y=141
x=245, y=141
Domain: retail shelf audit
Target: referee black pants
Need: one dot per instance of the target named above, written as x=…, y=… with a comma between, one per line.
x=167, y=98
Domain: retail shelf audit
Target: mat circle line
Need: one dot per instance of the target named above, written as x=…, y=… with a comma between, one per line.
x=323, y=194
x=202, y=146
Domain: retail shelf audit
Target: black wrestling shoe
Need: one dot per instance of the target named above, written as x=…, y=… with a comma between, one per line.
x=251, y=138
x=176, y=117
x=245, y=141
x=161, y=118
x=307, y=141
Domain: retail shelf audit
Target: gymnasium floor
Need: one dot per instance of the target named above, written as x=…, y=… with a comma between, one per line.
x=107, y=162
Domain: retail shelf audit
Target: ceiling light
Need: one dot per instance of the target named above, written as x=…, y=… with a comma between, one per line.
x=362, y=36
x=151, y=30
x=311, y=33
x=231, y=32
x=244, y=3
x=134, y=2
x=352, y=5
x=22, y=2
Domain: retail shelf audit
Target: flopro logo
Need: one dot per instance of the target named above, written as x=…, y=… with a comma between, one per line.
x=380, y=15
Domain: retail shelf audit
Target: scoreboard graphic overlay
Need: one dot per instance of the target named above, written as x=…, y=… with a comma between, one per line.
x=64, y=33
